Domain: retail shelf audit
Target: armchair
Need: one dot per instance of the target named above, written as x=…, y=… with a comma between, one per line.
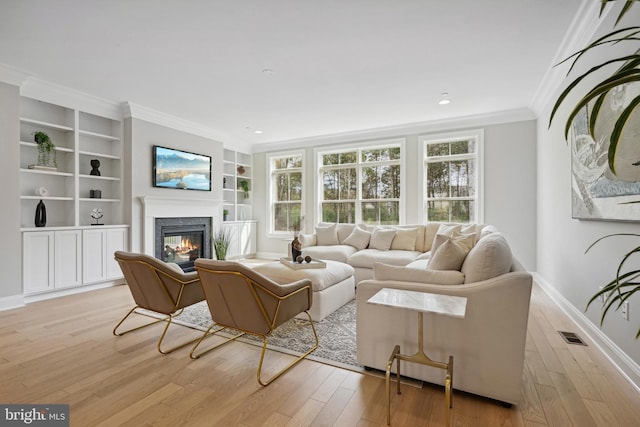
x=158, y=287
x=242, y=299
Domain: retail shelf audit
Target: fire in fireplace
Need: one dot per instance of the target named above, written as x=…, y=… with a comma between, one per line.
x=183, y=240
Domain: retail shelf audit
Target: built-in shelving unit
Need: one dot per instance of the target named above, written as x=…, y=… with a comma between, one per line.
x=79, y=137
x=237, y=168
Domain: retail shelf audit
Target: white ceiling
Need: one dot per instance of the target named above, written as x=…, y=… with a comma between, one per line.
x=338, y=65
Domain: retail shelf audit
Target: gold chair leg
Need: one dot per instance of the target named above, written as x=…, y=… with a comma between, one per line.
x=292, y=364
x=119, y=334
x=207, y=333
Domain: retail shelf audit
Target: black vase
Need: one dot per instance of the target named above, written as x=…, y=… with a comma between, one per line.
x=41, y=215
x=296, y=248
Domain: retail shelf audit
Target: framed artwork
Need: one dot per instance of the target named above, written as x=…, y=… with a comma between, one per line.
x=596, y=191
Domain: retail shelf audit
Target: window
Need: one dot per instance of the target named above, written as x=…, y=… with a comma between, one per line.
x=452, y=177
x=286, y=192
x=361, y=185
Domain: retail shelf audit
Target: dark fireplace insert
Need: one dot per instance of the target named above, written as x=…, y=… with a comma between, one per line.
x=183, y=240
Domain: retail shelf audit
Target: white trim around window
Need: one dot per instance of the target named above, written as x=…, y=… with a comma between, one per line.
x=271, y=191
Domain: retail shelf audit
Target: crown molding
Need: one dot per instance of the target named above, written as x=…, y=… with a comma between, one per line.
x=141, y=112
x=45, y=91
x=494, y=118
x=582, y=29
x=12, y=76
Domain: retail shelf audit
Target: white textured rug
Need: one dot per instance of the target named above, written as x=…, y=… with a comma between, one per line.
x=336, y=333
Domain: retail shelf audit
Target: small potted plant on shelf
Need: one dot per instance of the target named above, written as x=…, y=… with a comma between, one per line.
x=46, y=149
x=244, y=184
x=225, y=214
x=221, y=241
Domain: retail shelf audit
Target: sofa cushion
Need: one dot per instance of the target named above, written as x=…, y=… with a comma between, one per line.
x=307, y=240
x=450, y=254
x=405, y=239
x=489, y=258
x=358, y=238
x=420, y=275
x=326, y=236
x=366, y=257
x=381, y=239
x=332, y=252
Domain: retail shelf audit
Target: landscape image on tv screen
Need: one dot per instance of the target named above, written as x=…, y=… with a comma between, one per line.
x=180, y=169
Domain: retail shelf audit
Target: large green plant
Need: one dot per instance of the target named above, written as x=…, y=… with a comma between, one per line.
x=628, y=72
x=625, y=283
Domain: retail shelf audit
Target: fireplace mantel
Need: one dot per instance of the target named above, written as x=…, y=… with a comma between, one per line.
x=165, y=207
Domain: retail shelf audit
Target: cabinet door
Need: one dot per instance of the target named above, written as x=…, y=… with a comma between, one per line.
x=68, y=258
x=247, y=238
x=116, y=241
x=37, y=264
x=94, y=248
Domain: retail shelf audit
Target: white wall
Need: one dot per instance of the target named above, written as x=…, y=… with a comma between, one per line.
x=140, y=137
x=509, y=176
x=11, y=259
x=563, y=265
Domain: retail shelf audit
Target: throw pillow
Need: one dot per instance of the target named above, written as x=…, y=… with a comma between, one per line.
x=407, y=274
x=405, y=239
x=326, y=236
x=381, y=239
x=450, y=255
x=358, y=238
x=489, y=258
x=445, y=230
x=307, y=240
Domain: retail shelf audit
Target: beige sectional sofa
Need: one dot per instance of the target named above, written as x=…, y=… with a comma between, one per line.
x=473, y=261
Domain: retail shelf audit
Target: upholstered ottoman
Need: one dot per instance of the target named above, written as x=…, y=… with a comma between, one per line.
x=333, y=286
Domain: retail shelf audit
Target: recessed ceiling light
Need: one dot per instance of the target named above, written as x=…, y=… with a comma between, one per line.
x=267, y=72
x=257, y=132
x=445, y=99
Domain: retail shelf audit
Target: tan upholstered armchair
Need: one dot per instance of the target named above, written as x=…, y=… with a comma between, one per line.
x=159, y=287
x=242, y=299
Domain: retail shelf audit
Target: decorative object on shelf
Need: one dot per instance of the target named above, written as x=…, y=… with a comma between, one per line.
x=96, y=213
x=42, y=191
x=46, y=151
x=95, y=164
x=41, y=214
x=244, y=184
x=296, y=248
x=225, y=214
x=95, y=194
x=224, y=182
x=240, y=170
x=221, y=241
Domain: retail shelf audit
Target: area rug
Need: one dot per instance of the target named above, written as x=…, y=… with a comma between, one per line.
x=336, y=334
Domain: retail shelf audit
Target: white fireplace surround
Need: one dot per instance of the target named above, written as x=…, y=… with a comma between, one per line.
x=166, y=207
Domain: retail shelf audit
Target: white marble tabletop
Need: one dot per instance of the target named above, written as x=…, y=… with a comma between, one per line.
x=447, y=305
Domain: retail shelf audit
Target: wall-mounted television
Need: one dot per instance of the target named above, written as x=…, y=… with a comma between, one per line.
x=179, y=169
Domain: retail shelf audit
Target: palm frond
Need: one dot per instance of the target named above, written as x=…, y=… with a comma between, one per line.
x=616, y=134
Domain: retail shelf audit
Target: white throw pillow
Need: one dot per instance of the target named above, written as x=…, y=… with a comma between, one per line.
x=358, y=238
x=445, y=230
x=407, y=274
x=490, y=257
x=381, y=239
x=326, y=236
x=405, y=239
x=307, y=240
x=450, y=254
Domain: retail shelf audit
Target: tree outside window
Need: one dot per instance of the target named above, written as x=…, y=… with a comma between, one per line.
x=361, y=185
x=451, y=171
x=286, y=191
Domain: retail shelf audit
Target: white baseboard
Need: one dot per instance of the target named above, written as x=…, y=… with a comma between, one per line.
x=11, y=302
x=70, y=291
x=627, y=366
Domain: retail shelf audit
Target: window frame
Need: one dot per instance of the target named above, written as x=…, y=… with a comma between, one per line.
x=478, y=136
x=359, y=147
x=271, y=190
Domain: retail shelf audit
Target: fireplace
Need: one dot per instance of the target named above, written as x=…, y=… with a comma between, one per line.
x=183, y=240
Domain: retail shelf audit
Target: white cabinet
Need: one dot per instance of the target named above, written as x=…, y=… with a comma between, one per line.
x=97, y=255
x=54, y=260
x=37, y=261
x=67, y=258
x=243, y=238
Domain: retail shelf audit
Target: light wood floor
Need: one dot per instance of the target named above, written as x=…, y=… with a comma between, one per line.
x=62, y=351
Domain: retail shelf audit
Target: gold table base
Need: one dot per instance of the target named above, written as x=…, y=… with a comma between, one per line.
x=423, y=359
